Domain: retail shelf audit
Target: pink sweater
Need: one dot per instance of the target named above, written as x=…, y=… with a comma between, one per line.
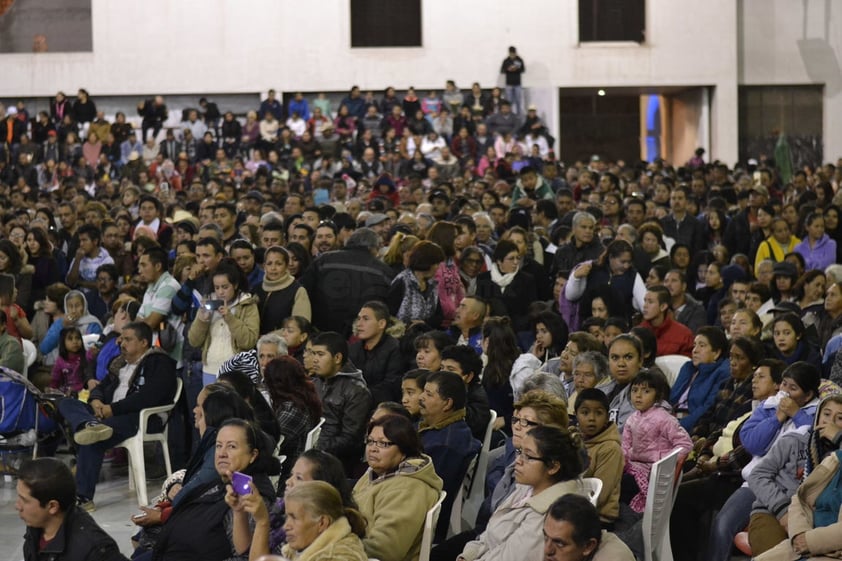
x=650, y=435
x=67, y=374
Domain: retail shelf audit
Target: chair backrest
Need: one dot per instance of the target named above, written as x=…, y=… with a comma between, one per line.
x=430, y=523
x=90, y=339
x=670, y=365
x=659, y=501
x=474, y=493
x=30, y=353
x=593, y=487
x=313, y=435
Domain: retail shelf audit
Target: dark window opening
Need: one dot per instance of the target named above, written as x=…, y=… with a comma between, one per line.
x=612, y=20
x=385, y=23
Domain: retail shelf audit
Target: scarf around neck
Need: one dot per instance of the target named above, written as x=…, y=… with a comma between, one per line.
x=500, y=279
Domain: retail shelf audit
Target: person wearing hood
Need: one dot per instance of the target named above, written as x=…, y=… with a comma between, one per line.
x=346, y=399
x=812, y=520
x=818, y=250
x=792, y=407
x=776, y=478
x=73, y=312
x=397, y=490
x=228, y=323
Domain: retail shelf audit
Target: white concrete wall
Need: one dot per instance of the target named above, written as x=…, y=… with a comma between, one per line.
x=784, y=42
x=231, y=46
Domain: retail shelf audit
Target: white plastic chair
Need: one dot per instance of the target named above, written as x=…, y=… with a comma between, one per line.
x=30, y=353
x=593, y=487
x=659, y=501
x=671, y=365
x=134, y=446
x=476, y=491
x=455, y=525
x=313, y=435
x=430, y=523
x=90, y=339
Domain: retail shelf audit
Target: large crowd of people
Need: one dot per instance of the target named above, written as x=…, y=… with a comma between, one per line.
x=400, y=267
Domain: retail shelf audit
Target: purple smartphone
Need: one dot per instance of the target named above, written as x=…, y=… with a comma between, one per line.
x=241, y=483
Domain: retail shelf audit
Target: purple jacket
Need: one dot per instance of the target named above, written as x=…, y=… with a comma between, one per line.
x=820, y=256
x=650, y=435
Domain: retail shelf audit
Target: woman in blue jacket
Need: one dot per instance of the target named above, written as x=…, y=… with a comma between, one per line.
x=699, y=380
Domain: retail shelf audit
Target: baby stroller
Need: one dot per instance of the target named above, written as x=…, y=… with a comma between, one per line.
x=27, y=418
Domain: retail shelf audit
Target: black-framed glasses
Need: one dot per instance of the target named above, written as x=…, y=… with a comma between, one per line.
x=519, y=453
x=525, y=423
x=378, y=443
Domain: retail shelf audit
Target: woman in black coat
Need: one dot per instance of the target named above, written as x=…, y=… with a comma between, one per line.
x=508, y=289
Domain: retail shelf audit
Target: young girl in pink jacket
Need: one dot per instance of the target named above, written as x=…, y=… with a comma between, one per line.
x=650, y=433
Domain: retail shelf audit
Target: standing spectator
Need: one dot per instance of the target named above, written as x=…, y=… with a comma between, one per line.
x=513, y=67
x=154, y=113
x=340, y=282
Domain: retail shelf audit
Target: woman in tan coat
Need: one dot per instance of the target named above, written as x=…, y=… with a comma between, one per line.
x=319, y=527
x=228, y=322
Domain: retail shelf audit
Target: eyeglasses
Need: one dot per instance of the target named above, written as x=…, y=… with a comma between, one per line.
x=519, y=453
x=378, y=443
x=524, y=422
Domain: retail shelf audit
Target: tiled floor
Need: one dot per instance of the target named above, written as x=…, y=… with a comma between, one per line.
x=115, y=503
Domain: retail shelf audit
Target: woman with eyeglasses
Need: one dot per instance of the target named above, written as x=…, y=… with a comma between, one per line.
x=397, y=490
x=536, y=408
x=547, y=465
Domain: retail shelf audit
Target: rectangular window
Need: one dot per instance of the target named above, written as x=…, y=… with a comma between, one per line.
x=385, y=23
x=612, y=20
x=796, y=111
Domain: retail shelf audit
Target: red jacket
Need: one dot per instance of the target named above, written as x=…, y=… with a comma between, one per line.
x=673, y=337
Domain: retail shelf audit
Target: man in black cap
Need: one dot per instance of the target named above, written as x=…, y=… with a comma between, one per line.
x=441, y=204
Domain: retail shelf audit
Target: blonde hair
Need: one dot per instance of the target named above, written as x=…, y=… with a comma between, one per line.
x=550, y=409
x=399, y=245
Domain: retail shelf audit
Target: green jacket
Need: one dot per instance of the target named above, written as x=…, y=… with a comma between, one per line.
x=395, y=506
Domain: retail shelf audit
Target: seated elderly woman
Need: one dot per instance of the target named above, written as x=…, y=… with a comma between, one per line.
x=320, y=527
x=269, y=534
x=201, y=525
x=549, y=462
x=397, y=490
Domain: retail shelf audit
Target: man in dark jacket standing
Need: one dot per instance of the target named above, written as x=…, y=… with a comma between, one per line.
x=56, y=528
x=142, y=377
x=340, y=282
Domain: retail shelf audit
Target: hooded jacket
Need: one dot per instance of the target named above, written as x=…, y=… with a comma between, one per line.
x=652, y=434
x=87, y=324
x=346, y=403
x=776, y=478
x=822, y=543
x=822, y=254
x=395, y=506
x=606, y=463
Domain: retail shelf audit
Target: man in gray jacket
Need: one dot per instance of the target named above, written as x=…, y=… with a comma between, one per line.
x=687, y=309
